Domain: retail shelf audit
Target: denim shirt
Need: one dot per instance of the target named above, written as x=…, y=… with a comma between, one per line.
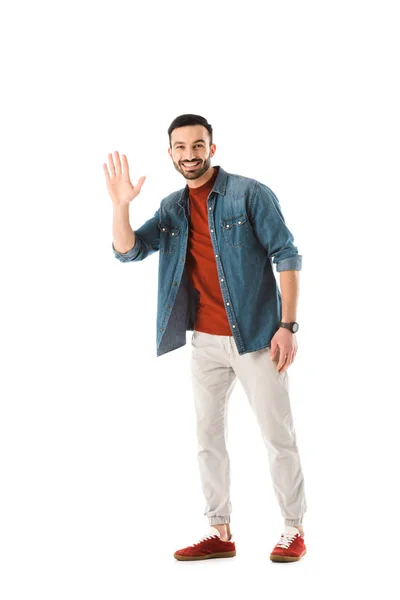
x=248, y=233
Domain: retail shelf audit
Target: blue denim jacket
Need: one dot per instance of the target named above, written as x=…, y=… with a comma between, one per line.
x=248, y=232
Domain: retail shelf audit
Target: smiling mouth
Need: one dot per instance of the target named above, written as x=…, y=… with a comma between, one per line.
x=191, y=165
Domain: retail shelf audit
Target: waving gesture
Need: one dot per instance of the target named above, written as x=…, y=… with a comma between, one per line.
x=119, y=185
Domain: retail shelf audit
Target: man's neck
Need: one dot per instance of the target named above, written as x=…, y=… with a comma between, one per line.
x=195, y=183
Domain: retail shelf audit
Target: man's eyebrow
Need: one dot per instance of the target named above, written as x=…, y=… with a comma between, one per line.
x=195, y=142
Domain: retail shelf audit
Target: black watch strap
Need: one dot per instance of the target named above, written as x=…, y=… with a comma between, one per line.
x=293, y=326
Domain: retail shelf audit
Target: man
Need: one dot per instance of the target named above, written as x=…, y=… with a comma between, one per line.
x=216, y=238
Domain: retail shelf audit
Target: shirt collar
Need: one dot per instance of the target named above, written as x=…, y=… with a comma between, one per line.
x=219, y=186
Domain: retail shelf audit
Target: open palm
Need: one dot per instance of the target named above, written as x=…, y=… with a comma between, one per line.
x=118, y=182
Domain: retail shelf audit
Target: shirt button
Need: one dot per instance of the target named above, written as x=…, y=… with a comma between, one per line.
x=212, y=230
x=173, y=233
x=210, y=208
x=227, y=304
x=216, y=255
x=162, y=329
x=175, y=283
x=221, y=279
x=227, y=226
x=169, y=306
x=233, y=325
x=182, y=259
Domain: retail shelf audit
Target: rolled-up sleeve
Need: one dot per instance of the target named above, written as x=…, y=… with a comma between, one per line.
x=271, y=230
x=131, y=254
x=147, y=241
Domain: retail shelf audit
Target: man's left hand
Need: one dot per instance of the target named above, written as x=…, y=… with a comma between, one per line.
x=283, y=343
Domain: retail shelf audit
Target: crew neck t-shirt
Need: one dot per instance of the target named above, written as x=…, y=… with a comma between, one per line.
x=201, y=265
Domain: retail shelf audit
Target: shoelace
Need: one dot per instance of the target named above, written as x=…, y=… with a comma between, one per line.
x=206, y=537
x=286, y=539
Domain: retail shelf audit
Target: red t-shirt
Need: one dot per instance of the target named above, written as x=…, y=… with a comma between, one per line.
x=201, y=265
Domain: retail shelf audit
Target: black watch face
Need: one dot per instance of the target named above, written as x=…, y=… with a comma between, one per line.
x=295, y=327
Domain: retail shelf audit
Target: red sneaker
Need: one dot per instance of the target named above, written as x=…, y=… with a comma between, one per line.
x=290, y=547
x=210, y=546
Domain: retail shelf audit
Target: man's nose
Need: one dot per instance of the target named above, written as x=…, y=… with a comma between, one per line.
x=190, y=155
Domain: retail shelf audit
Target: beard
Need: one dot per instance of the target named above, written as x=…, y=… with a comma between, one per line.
x=197, y=172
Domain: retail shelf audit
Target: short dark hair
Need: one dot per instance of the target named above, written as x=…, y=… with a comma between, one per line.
x=189, y=119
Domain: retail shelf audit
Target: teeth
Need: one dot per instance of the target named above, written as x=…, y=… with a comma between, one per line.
x=191, y=164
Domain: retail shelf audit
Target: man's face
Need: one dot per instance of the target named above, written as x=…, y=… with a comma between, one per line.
x=191, y=152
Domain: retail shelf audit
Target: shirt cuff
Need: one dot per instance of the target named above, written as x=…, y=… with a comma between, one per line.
x=293, y=263
x=131, y=254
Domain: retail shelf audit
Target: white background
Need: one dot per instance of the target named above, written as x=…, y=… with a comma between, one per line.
x=99, y=477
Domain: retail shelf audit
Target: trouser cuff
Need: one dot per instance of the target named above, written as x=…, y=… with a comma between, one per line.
x=217, y=520
x=294, y=522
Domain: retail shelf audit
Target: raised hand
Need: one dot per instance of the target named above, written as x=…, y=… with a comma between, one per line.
x=119, y=185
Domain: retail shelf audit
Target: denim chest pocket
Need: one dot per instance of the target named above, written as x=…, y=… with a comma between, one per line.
x=169, y=235
x=235, y=230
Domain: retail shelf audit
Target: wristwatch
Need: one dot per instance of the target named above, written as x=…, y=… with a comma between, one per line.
x=293, y=327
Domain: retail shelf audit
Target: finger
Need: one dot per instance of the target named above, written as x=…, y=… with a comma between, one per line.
x=117, y=163
x=272, y=353
x=125, y=166
x=287, y=363
x=282, y=360
x=111, y=165
x=139, y=184
x=106, y=173
x=280, y=365
x=282, y=368
x=293, y=355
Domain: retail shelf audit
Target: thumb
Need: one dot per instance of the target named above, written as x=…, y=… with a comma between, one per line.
x=273, y=351
x=139, y=184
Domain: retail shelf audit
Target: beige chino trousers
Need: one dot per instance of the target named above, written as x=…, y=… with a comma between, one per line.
x=215, y=367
